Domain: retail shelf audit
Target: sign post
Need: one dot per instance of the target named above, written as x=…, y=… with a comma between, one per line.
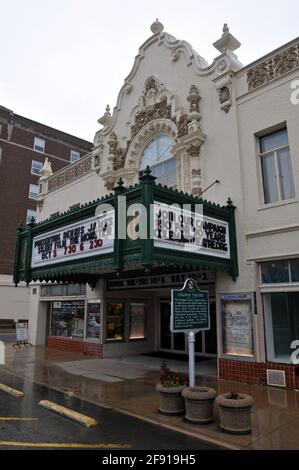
x=190, y=314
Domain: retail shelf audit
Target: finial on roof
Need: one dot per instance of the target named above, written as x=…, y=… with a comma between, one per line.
x=105, y=120
x=225, y=30
x=227, y=42
x=46, y=170
x=157, y=27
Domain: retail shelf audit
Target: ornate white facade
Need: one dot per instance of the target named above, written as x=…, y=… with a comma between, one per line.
x=216, y=115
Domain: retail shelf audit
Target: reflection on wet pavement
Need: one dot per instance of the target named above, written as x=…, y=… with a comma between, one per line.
x=129, y=385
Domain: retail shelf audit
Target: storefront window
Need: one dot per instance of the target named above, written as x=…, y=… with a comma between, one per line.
x=93, y=320
x=137, y=321
x=282, y=324
x=67, y=319
x=115, y=322
x=237, y=328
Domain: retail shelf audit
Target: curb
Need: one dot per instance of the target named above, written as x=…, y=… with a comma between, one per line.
x=68, y=413
x=12, y=391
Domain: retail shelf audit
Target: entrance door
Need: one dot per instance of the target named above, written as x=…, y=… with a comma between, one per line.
x=169, y=341
x=206, y=341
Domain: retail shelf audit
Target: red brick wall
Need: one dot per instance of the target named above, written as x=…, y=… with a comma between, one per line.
x=256, y=372
x=15, y=173
x=67, y=344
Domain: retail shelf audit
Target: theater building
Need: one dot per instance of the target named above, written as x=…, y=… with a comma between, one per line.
x=223, y=136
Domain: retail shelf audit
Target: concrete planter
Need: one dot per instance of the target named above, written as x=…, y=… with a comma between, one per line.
x=199, y=402
x=235, y=415
x=171, y=401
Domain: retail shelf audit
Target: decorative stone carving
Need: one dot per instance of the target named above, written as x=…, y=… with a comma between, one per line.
x=186, y=173
x=183, y=125
x=70, y=173
x=274, y=67
x=193, y=150
x=158, y=110
x=196, y=182
x=194, y=99
x=110, y=183
x=112, y=142
x=224, y=88
x=46, y=170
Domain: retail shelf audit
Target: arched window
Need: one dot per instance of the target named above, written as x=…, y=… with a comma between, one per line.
x=158, y=156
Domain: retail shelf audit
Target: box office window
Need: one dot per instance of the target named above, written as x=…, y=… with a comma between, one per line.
x=137, y=313
x=67, y=319
x=237, y=325
x=115, y=329
x=282, y=324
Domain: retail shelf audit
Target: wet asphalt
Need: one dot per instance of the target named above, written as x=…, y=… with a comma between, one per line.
x=114, y=428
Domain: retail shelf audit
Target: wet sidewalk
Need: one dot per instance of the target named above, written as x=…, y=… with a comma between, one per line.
x=128, y=385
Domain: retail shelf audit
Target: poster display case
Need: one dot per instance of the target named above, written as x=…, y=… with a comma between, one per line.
x=237, y=318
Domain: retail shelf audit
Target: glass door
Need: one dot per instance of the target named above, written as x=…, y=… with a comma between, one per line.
x=169, y=341
x=205, y=342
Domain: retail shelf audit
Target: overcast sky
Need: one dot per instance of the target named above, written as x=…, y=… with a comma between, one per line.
x=62, y=61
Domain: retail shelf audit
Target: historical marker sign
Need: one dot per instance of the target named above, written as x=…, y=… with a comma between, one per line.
x=190, y=310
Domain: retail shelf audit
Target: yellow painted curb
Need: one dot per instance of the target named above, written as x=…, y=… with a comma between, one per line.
x=61, y=445
x=63, y=411
x=12, y=391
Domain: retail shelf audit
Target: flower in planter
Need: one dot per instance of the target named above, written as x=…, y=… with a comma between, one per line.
x=233, y=396
x=169, y=378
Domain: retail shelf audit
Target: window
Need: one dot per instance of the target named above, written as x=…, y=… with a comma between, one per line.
x=30, y=213
x=74, y=156
x=58, y=290
x=39, y=145
x=282, y=324
x=67, y=319
x=280, y=272
x=158, y=156
x=33, y=191
x=115, y=322
x=276, y=167
x=137, y=321
x=36, y=167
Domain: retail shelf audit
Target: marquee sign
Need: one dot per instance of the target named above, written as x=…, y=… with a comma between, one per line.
x=83, y=239
x=183, y=230
x=81, y=245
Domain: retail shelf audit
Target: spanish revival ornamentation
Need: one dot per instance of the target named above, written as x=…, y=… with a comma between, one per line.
x=71, y=173
x=159, y=110
x=272, y=68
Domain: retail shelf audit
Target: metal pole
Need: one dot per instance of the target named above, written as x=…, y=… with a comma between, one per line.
x=191, y=341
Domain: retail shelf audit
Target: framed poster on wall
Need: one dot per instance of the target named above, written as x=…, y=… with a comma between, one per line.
x=93, y=328
x=237, y=324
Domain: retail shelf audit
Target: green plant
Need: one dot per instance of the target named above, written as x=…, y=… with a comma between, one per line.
x=233, y=395
x=169, y=378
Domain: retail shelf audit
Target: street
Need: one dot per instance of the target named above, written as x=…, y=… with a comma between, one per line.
x=35, y=428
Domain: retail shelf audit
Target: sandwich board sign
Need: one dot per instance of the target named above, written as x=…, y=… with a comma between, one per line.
x=190, y=314
x=22, y=332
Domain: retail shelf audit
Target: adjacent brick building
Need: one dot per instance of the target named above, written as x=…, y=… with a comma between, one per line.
x=24, y=144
